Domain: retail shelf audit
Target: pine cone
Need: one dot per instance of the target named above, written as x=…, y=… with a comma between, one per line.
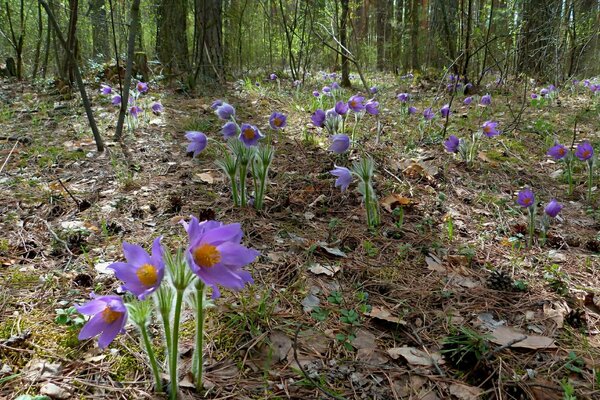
x=576, y=318
x=500, y=280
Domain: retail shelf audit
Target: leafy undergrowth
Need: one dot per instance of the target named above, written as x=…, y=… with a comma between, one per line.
x=431, y=307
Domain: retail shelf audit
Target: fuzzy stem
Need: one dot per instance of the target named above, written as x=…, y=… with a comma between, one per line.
x=590, y=181
x=531, y=225
x=174, y=353
x=243, y=172
x=234, y=191
x=198, y=357
x=570, y=177
x=151, y=357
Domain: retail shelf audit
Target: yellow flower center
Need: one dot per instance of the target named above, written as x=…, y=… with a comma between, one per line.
x=561, y=151
x=527, y=201
x=249, y=133
x=206, y=255
x=487, y=128
x=277, y=122
x=140, y=86
x=353, y=103
x=147, y=274
x=109, y=316
x=586, y=153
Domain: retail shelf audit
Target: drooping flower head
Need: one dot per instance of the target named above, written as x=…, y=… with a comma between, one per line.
x=341, y=108
x=273, y=77
x=250, y=135
x=142, y=87
x=326, y=91
x=339, y=143
x=558, y=151
x=403, y=97
x=468, y=100
x=116, y=100
x=225, y=111
x=356, y=103
x=584, y=151
x=445, y=110
x=277, y=120
x=216, y=104
x=486, y=100
x=216, y=255
x=134, y=111
x=412, y=110
x=452, y=144
x=229, y=130
x=198, y=142
x=318, y=118
x=157, y=108
x=109, y=318
x=489, y=128
x=525, y=198
x=105, y=89
x=141, y=273
x=372, y=107
x=428, y=114
x=553, y=208
x=544, y=92
x=344, y=177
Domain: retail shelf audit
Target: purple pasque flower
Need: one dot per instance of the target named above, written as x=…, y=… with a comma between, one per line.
x=339, y=143
x=584, y=151
x=156, y=107
x=217, y=256
x=534, y=96
x=403, y=97
x=109, y=318
x=525, y=198
x=142, y=87
x=373, y=89
x=198, y=142
x=544, y=92
x=452, y=144
x=344, y=177
x=318, y=118
x=335, y=86
x=216, y=104
x=489, y=128
x=468, y=100
x=551, y=88
x=428, y=114
x=445, y=110
x=116, y=100
x=486, y=100
x=326, y=90
x=316, y=93
x=277, y=120
x=105, y=89
x=558, y=151
x=273, y=77
x=341, y=108
x=412, y=110
x=134, y=111
x=225, y=111
x=371, y=107
x=141, y=273
x=356, y=103
x=250, y=135
x=553, y=208
x=229, y=130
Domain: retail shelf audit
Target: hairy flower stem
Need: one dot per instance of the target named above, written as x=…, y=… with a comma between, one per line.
x=198, y=356
x=590, y=180
x=174, y=353
x=569, y=177
x=151, y=357
x=531, y=225
x=243, y=173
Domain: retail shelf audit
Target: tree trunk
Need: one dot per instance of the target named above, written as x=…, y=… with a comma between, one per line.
x=171, y=40
x=344, y=45
x=38, y=46
x=98, y=19
x=414, y=35
x=381, y=21
x=68, y=65
x=209, y=43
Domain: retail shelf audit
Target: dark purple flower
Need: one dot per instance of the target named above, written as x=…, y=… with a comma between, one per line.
x=116, y=100
x=198, y=142
x=216, y=104
x=558, y=151
x=341, y=108
x=445, y=110
x=544, y=92
x=534, y=96
x=105, y=89
x=486, y=100
x=344, y=177
x=428, y=114
x=318, y=118
x=356, y=103
x=575, y=82
x=316, y=93
x=452, y=144
x=250, y=135
x=134, y=111
x=229, y=130
x=403, y=97
x=142, y=87
x=326, y=91
x=412, y=110
x=584, y=151
x=371, y=107
x=339, y=143
x=156, y=107
x=273, y=77
x=109, y=318
x=489, y=128
x=468, y=86
x=277, y=120
x=553, y=208
x=373, y=89
x=225, y=111
x=217, y=256
x=296, y=83
x=525, y=198
x=141, y=273
x=468, y=100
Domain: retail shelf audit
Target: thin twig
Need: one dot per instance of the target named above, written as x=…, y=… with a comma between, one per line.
x=8, y=156
x=58, y=239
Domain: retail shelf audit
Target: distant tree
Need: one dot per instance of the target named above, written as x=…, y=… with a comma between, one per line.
x=99, y=22
x=171, y=37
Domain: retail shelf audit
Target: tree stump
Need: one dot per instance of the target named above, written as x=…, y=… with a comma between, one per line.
x=11, y=67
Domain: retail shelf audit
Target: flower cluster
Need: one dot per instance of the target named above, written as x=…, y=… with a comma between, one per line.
x=137, y=103
x=526, y=199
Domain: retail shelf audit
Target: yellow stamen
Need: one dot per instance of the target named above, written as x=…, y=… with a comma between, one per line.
x=277, y=121
x=487, y=129
x=561, y=151
x=147, y=274
x=109, y=316
x=353, y=103
x=586, y=153
x=206, y=255
x=527, y=200
x=249, y=133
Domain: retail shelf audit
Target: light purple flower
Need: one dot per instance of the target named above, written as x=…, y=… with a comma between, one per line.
x=273, y=77
x=326, y=91
x=428, y=114
x=109, y=318
x=356, y=103
x=116, y=100
x=157, y=108
x=142, y=87
x=412, y=110
x=544, y=92
x=486, y=100
x=403, y=97
x=373, y=89
x=344, y=177
x=525, y=198
x=341, y=108
x=216, y=255
x=452, y=144
x=584, y=151
x=216, y=104
x=229, y=130
x=551, y=88
x=335, y=86
x=558, y=151
x=250, y=135
x=141, y=273
x=134, y=111
x=489, y=128
x=316, y=93
x=445, y=110
x=198, y=142
x=371, y=107
x=553, y=208
x=318, y=118
x=225, y=111
x=105, y=89
x=339, y=143
x=277, y=120
x=534, y=96
x=468, y=100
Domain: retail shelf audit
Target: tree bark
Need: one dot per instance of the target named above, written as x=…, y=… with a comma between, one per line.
x=99, y=22
x=171, y=40
x=344, y=45
x=380, y=44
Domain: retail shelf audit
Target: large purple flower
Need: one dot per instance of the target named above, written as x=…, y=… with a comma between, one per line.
x=198, y=142
x=445, y=110
x=486, y=100
x=225, y=111
x=553, y=208
x=412, y=110
x=116, y=100
x=489, y=128
x=217, y=256
x=356, y=103
x=335, y=86
x=250, y=135
x=277, y=120
x=318, y=118
x=142, y=87
x=326, y=90
x=134, y=111
x=344, y=177
x=371, y=107
x=452, y=144
x=544, y=92
x=109, y=318
x=403, y=97
x=558, y=151
x=428, y=114
x=468, y=100
x=156, y=107
x=105, y=89
x=339, y=143
x=525, y=198
x=341, y=108
x=316, y=93
x=216, y=104
x=229, y=130
x=141, y=273
x=584, y=151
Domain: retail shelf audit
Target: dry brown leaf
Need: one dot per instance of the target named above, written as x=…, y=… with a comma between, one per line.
x=206, y=177
x=392, y=201
x=483, y=157
x=556, y=311
x=503, y=335
x=372, y=356
x=434, y=263
x=458, y=260
x=364, y=340
x=545, y=390
x=384, y=315
x=280, y=345
x=415, y=356
x=465, y=392
x=319, y=269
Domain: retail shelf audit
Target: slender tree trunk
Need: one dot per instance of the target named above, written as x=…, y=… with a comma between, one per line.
x=69, y=61
x=344, y=45
x=38, y=46
x=99, y=22
x=380, y=10
x=414, y=35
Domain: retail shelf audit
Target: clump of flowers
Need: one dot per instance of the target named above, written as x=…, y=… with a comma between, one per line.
x=550, y=212
x=585, y=152
x=526, y=199
x=163, y=284
x=468, y=150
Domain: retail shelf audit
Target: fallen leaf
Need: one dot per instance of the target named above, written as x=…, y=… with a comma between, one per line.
x=434, y=263
x=334, y=251
x=319, y=269
x=206, y=177
x=415, y=356
x=556, y=311
x=310, y=302
x=503, y=335
x=384, y=315
x=372, y=356
x=465, y=392
x=280, y=345
x=364, y=340
x=392, y=201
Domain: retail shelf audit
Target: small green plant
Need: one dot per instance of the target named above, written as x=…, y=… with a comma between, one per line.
x=464, y=348
x=370, y=249
x=335, y=297
x=69, y=316
x=574, y=363
x=350, y=317
x=319, y=314
x=398, y=215
x=556, y=279
x=346, y=340
x=568, y=390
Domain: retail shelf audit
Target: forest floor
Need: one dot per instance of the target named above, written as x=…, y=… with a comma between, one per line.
x=364, y=312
